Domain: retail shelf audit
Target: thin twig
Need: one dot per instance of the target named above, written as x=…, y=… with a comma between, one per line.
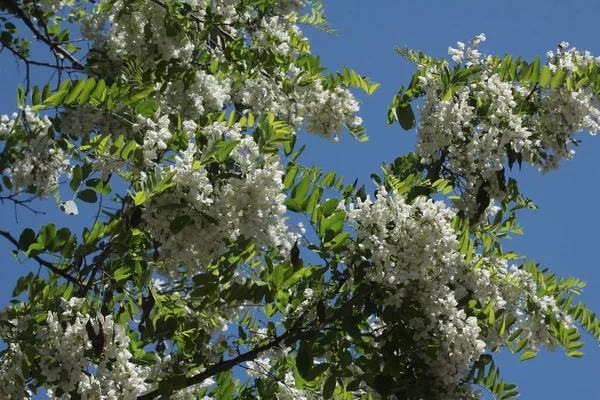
x=54, y=46
x=40, y=260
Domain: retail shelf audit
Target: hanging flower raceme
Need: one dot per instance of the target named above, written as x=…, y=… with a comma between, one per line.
x=37, y=161
x=414, y=264
x=205, y=68
x=68, y=345
x=196, y=219
x=487, y=112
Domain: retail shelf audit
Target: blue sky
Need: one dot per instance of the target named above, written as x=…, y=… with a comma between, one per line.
x=561, y=235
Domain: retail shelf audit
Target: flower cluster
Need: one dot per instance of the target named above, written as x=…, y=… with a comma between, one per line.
x=322, y=111
x=204, y=95
x=412, y=249
x=63, y=343
x=40, y=162
x=12, y=381
x=124, y=33
x=412, y=254
x=195, y=220
x=71, y=360
x=483, y=122
x=54, y=5
x=468, y=54
x=156, y=136
x=79, y=122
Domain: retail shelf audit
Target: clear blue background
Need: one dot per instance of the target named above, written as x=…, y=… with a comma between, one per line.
x=561, y=235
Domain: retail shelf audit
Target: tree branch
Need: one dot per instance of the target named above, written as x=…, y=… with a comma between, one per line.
x=32, y=62
x=54, y=46
x=40, y=260
x=293, y=334
x=290, y=335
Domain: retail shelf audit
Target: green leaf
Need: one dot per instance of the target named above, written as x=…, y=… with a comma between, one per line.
x=225, y=148
x=117, y=145
x=56, y=99
x=7, y=182
x=75, y=91
x=139, y=198
x=71, y=48
x=102, y=144
x=87, y=195
x=528, y=355
x=99, y=92
x=141, y=93
x=122, y=273
x=515, y=334
x=304, y=359
x=84, y=96
x=46, y=92
x=214, y=67
x=535, y=73
x=290, y=177
x=338, y=241
x=301, y=190
x=26, y=239
x=76, y=178
x=333, y=223
x=575, y=353
x=317, y=371
x=512, y=73
x=47, y=234
x=282, y=299
x=62, y=235
x=22, y=284
x=21, y=101
x=545, y=77
x=164, y=184
x=510, y=395
x=98, y=185
x=506, y=63
x=278, y=275
x=205, y=279
x=128, y=149
x=450, y=92
x=522, y=344
x=231, y=120
x=147, y=108
x=405, y=116
x=558, y=78
x=329, y=206
x=297, y=154
x=35, y=96
x=329, y=387
x=313, y=202
x=292, y=205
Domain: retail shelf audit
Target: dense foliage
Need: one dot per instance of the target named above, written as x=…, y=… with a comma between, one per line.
x=178, y=119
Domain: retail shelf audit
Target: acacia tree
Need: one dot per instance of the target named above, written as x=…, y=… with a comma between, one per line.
x=178, y=120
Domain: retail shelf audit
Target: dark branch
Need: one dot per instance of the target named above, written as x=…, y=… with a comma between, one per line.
x=22, y=203
x=54, y=46
x=33, y=62
x=40, y=260
x=295, y=333
x=289, y=336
